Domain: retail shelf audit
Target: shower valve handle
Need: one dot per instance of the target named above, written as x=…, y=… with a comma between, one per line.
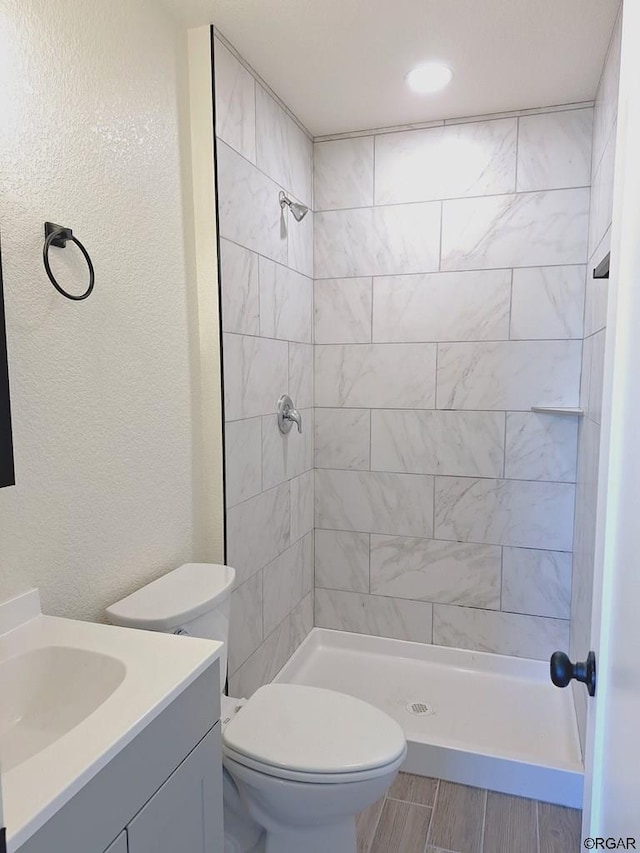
x=563, y=671
x=288, y=415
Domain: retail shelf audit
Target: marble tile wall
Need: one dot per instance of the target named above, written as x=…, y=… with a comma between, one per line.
x=267, y=318
x=595, y=320
x=449, y=299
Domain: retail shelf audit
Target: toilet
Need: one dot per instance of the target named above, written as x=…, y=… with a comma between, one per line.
x=299, y=762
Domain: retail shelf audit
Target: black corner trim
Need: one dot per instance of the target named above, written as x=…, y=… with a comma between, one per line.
x=602, y=270
x=7, y=470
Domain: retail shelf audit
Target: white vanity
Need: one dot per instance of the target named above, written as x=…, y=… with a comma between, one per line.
x=109, y=737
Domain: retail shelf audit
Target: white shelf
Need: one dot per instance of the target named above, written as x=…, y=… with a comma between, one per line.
x=558, y=410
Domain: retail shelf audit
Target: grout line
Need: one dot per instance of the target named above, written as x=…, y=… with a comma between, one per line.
x=372, y=294
x=484, y=821
x=440, y=241
x=373, y=193
x=423, y=273
x=515, y=188
x=292, y=269
x=457, y=606
x=433, y=813
x=511, y=306
x=485, y=478
x=257, y=79
x=448, y=122
x=375, y=828
x=504, y=448
x=454, y=198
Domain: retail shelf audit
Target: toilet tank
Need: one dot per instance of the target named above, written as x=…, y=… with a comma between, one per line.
x=193, y=599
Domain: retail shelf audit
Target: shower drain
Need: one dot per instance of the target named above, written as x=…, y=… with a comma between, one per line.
x=419, y=709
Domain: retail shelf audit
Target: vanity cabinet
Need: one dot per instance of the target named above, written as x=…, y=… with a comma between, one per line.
x=162, y=793
x=186, y=813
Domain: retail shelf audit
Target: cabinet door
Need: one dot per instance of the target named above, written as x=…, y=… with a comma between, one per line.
x=119, y=845
x=185, y=815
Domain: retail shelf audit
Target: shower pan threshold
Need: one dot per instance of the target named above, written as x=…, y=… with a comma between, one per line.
x=474, y=718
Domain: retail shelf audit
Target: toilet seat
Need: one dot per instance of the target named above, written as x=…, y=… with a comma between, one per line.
x=289, y=775
x=310, y=734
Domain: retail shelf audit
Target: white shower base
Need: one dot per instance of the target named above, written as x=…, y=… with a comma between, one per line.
x=493, y=721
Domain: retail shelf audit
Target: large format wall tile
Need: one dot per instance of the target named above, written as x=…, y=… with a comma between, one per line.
x=376, y=375
x=240, y=290
x=373, y=614
x=536, y=582
x=255, y=375
x=267, y=314
x=472, y=159
x=248, y=206
x=428, y=570
x=508, y=375
x=300, y=378
x=502, y=633
x=524, y=230
x=505, y=512
x=245, y=627
x=235, y=103
x=438, y=442
x=286, y=456
x=606, y=109
x=342, y=438
x=377, y=241
x=374, y=502
x=286, y=303
x=271, y=656
x=548, y=302
x=243, y=459
x=283, y=582
x=343, y=173
x=342, y=560
x=554, y=150
x=464, y=306
x=342, y=310
x=284, y=151
x=602, y=199
x=541, y=447
x=299, y=242
x=596, y=376
x=302, y=505
x=258, y=530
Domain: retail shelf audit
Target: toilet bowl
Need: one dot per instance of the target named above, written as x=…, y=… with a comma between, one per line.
x=299, y=762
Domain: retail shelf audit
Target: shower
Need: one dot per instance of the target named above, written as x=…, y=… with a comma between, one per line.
x=299, y=210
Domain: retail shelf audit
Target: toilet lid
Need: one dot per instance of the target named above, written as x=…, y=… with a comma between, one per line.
x=312, y=730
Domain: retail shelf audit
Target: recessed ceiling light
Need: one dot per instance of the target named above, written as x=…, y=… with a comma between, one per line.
x=429, y=77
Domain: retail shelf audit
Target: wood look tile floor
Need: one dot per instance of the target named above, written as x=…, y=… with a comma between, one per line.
x=421, y=815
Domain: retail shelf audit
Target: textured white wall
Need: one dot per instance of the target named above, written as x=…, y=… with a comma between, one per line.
x=101, y=393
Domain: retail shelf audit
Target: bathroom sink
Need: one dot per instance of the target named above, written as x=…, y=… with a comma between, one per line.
x=46, y=692
x=74, y=694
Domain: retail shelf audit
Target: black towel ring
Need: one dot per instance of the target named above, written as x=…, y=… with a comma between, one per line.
x=57, y=235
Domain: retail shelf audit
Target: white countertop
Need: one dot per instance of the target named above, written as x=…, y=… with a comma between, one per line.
x=158, y=668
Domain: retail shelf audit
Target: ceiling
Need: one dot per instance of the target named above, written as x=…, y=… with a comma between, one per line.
x=339, y=65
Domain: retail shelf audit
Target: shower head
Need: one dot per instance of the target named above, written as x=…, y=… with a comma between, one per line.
x=299, y=210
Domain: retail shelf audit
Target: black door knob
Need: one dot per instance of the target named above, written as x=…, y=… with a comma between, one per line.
x=562, y=671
